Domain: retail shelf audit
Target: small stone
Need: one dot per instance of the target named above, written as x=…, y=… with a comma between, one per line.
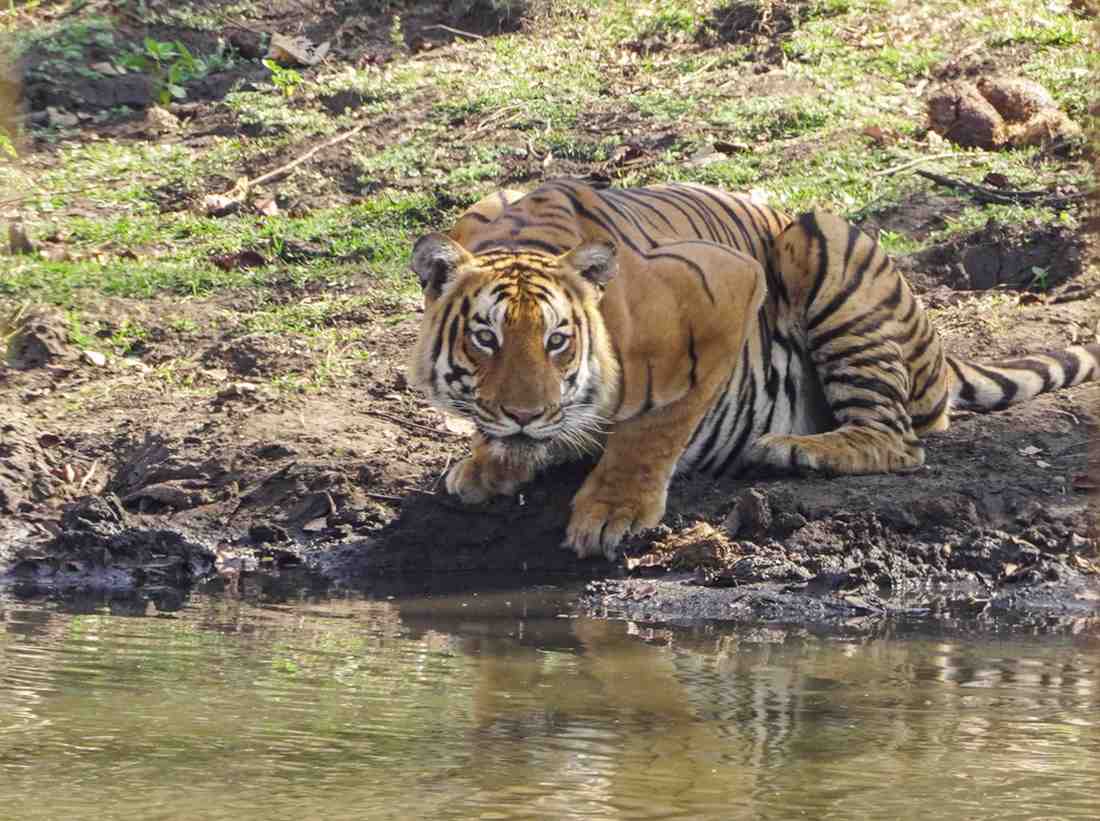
x=62, y=119
x=161, y=120
x=315, y=525
x=94, y=358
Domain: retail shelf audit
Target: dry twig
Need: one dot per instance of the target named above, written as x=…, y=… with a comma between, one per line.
x=390, y=417
x=459, y=32
x=986, y=194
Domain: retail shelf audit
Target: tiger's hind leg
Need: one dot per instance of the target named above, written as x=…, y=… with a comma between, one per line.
x=873, y=433
x=874, y=353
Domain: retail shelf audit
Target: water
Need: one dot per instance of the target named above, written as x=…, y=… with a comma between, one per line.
x=503, y=706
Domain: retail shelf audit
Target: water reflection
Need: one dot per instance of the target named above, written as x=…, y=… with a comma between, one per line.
x=507, y=706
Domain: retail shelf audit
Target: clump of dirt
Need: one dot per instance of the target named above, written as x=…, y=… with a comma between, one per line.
x=39, y=338
x=744, y=21
x=998, y=112
x=99, y=545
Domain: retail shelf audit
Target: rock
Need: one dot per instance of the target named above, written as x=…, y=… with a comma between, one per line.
x=62, y=119
x=161, y=121
x=94, y=358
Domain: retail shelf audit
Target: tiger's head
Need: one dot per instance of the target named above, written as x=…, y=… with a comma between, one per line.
x=515, y=341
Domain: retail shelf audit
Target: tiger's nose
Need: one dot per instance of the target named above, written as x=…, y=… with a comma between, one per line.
x=521, y=417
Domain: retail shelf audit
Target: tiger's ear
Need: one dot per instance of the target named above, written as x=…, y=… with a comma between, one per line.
x=595, y=261
x=435, y=258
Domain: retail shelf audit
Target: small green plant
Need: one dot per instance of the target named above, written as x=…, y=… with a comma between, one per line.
x=76, y=332
x=1039, y=278
x=7, y=148
x=397, y=35
x=128, y=337
x=170, y=65
x=285, y=79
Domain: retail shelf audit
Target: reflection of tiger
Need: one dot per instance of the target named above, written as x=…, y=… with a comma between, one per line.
x=681, y=327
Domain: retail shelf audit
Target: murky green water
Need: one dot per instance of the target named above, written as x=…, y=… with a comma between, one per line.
x=502, y=706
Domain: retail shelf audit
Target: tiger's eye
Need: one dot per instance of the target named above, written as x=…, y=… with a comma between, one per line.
x=556, y=342
x=486, y=338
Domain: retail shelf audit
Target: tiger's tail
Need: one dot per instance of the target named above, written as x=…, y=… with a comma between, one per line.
x=996, y=385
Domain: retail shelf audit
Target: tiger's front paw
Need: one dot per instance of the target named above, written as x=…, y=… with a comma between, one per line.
x=477, y=479
x=603, y=515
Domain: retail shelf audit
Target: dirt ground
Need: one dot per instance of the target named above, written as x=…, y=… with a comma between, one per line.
x=110, y=478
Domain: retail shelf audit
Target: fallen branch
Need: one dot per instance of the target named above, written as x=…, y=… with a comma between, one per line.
x=384, y=497
x=290, y=166
x=390, y=417
x=887, y=172
x=459, y=32
x=986, y=194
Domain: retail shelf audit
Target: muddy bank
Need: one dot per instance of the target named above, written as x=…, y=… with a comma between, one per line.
x=243, y=487
x=167, y=442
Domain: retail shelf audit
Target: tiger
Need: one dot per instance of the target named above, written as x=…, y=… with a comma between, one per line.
x=675, y=328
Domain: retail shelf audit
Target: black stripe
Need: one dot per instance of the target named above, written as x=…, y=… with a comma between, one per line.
x=923, y=346
x=709, y=196
x=924, y=419
x=649, y=192
x=860, y=325
x=855, y=282
x=860, y=402
x=747, y=423
x=808, y=223
x=966, y=390
x=688, y=263
x=775, y=280
x=1008, y=386
x=705, y=215
x=706, y=452
x=629, y=194
x=738, y=222
x=867, y=383
x=622, y=212
x=518, y=244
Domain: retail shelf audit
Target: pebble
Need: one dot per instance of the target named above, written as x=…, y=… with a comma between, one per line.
x=94, y=358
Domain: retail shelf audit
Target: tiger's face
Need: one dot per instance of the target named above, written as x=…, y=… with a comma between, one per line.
x=515, y=342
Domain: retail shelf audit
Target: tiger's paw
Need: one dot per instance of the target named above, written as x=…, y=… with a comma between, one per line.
x=603, y=517
x=784, y=455
x=477, y=479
